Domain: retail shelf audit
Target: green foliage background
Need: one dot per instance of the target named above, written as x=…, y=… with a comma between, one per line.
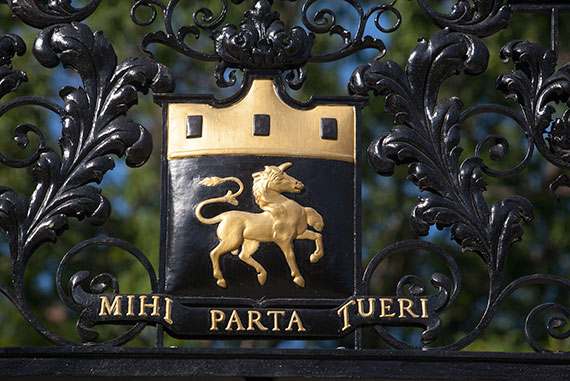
x=386, y=202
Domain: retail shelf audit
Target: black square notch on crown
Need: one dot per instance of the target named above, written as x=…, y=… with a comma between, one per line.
x=193, y=126
x=329, y=129
x=261, y=124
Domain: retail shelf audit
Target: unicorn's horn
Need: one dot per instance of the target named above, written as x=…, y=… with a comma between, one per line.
x=283, y=167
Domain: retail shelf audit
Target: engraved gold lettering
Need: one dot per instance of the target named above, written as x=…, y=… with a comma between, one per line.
x=108, y=309
x=385, y=308
x=282, y=226
x=130, y=306
x=254, y=320
x=216, y=316
x=276, y=315
x=361, y=312
x=424, y=307
x=153, y=305
x=408, y=308
x=168, y=311
x=234, y=319
x=344, y=311
x=295, y=319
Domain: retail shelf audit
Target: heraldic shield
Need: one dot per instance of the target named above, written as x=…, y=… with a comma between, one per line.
x=260, y=193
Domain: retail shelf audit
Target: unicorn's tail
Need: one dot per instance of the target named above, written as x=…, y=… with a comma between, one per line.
x=229, y=197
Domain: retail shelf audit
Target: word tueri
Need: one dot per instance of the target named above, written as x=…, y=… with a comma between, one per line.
x=386, y=308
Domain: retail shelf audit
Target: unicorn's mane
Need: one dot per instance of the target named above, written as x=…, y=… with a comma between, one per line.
x=261, y=181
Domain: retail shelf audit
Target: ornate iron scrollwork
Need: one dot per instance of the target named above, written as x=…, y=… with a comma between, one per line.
x=425, y=136
x=261, y=42
x=10, y=45
x=94, y=127
x=41, y=14
x=480, y=17
x=535, y=84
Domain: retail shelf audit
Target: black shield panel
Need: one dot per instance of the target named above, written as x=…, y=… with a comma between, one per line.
x=260, y=195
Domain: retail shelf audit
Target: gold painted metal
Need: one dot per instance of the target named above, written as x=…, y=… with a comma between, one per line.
x=234, y=319
x=385, y=308
x=110, y=308
x=153, y=305
x=344, y=312
x=255, y=320
x=276, y=315
x=228, y=130
x=406, y=305
x=295, y=319
x=216, y=316
x=282, y=221
x=371, y=303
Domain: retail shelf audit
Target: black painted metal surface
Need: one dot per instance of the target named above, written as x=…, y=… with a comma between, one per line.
x=425, y=137
x=325, y=364
x=329, y=280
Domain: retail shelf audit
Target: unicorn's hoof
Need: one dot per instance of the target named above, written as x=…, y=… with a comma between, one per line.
x=221, y=283
x=261, y=278
x=299, y=281
x=315, y=257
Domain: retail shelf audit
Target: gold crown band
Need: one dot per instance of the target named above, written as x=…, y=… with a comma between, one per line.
x=261, y=124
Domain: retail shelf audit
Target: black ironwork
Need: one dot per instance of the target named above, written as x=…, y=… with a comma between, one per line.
x=261, y=42
x=94, y=126
x=425, y=137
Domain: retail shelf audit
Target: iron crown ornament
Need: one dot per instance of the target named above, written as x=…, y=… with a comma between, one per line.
x=261, y=41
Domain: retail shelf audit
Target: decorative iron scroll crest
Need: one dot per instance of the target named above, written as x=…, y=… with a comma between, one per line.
x=425, y=136
x=261, y=41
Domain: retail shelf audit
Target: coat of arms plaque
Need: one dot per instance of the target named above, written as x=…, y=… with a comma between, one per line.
x=260, y=206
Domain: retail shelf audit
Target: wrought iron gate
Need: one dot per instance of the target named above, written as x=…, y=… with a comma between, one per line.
x=329, y=296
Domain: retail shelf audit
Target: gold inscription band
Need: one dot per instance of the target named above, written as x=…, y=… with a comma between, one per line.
x=261, y=124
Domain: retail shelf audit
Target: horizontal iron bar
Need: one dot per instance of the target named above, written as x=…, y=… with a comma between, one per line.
x=545, y=6
x=339, y=363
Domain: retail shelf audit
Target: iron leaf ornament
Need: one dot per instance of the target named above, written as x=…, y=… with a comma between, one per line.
x=94, y=127
x=10, y=79
x=426, y=137
x=535, y=84
x=41, y=13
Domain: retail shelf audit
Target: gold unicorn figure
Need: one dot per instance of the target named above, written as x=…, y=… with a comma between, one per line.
x=282, y=221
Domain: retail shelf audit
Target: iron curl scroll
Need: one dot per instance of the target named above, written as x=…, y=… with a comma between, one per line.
x=479, y=17
x=447, y=290
x=77, y=300
x=499, y=145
